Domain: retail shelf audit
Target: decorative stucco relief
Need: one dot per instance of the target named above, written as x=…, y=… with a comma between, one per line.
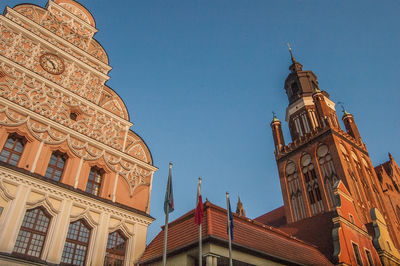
x=77, y=12
x=26, y=52
x=135, y=175
x=74, y=78
x=36, y=96
x=35, y=14
x=64, y=26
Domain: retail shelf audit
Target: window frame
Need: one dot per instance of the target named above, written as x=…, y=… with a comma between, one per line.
x=360, y=261
x=16, y=137
x=59, y=155
x=370, y=259
x=33, y=231
x=97, y=172
x=114, y=251
x=77, y=242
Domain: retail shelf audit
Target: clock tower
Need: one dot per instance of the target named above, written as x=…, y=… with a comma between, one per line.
x=321, y=154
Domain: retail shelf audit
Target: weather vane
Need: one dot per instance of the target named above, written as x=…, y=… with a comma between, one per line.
x=342, y=105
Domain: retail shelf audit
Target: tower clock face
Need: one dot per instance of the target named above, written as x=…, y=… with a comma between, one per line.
x=52, y=64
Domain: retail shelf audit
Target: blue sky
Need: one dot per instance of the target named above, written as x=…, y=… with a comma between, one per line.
x=201, y=78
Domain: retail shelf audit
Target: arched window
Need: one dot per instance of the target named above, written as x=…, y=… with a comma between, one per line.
x=310, y=177
x=398, y=212
x=115, y=253
x=360, y=176
x=328, y=171
x=296, y=197
x=76, y=244
x=94, y=182
x=374, y=187
x=13, y=149
x=31, y=236
x=351, y=173
x=56, y=166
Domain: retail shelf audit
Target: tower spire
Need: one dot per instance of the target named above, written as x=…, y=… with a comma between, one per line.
x=291, y=53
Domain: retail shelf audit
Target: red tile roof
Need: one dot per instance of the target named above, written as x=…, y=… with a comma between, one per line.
x=316, y=230
x=274, y=218
x=249, y=235
x=304, y=229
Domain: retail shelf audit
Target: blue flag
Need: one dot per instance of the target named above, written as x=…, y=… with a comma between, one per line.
x=230, y=219
x=169, y=196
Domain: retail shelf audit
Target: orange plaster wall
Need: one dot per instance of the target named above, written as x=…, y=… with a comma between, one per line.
x=139, y=198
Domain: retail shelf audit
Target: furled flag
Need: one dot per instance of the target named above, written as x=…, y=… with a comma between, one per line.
x=169, y=197
x=198, y=215
x=230, y=219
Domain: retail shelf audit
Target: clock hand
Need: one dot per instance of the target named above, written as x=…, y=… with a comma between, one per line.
x=52, y=63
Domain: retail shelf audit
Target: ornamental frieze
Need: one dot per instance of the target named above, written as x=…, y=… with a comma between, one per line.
x=20, y=49
x=35, y=95
x=64, y=26
x=94, y=48
x=134, y=174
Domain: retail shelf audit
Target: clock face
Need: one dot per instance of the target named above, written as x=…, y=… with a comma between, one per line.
x=52, y=64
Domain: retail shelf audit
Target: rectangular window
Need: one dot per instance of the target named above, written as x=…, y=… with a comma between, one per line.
x=357, y=254
x=56, y=166
x=94, y=181
x=13, y=149
x=369, y=257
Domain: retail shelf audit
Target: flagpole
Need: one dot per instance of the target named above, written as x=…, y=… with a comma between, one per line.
x=166, y=216
x=200, y=236
x=229, y=228
x=165, y=238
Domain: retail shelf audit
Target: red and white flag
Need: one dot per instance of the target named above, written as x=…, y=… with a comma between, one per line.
x=199, y=214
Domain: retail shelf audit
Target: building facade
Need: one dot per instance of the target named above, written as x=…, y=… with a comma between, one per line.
x=338, y=208
x=75, y=181
x=310, y=167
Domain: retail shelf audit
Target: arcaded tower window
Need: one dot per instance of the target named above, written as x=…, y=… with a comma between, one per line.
x=312, y=186
x=76, y=244
x=33, y=233
x=115, y=253
x=296, y=197
x=13, y=149
x=94, y=181
x=56, y=166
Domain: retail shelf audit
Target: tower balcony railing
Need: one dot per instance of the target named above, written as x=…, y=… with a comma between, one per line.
x=306, y=138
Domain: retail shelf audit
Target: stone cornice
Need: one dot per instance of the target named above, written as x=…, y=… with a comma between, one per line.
x=340, y=219
x=20, y=176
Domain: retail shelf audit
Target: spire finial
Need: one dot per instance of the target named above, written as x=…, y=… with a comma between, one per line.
x=291, y=53
x=274, y=118
x=343, y=110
